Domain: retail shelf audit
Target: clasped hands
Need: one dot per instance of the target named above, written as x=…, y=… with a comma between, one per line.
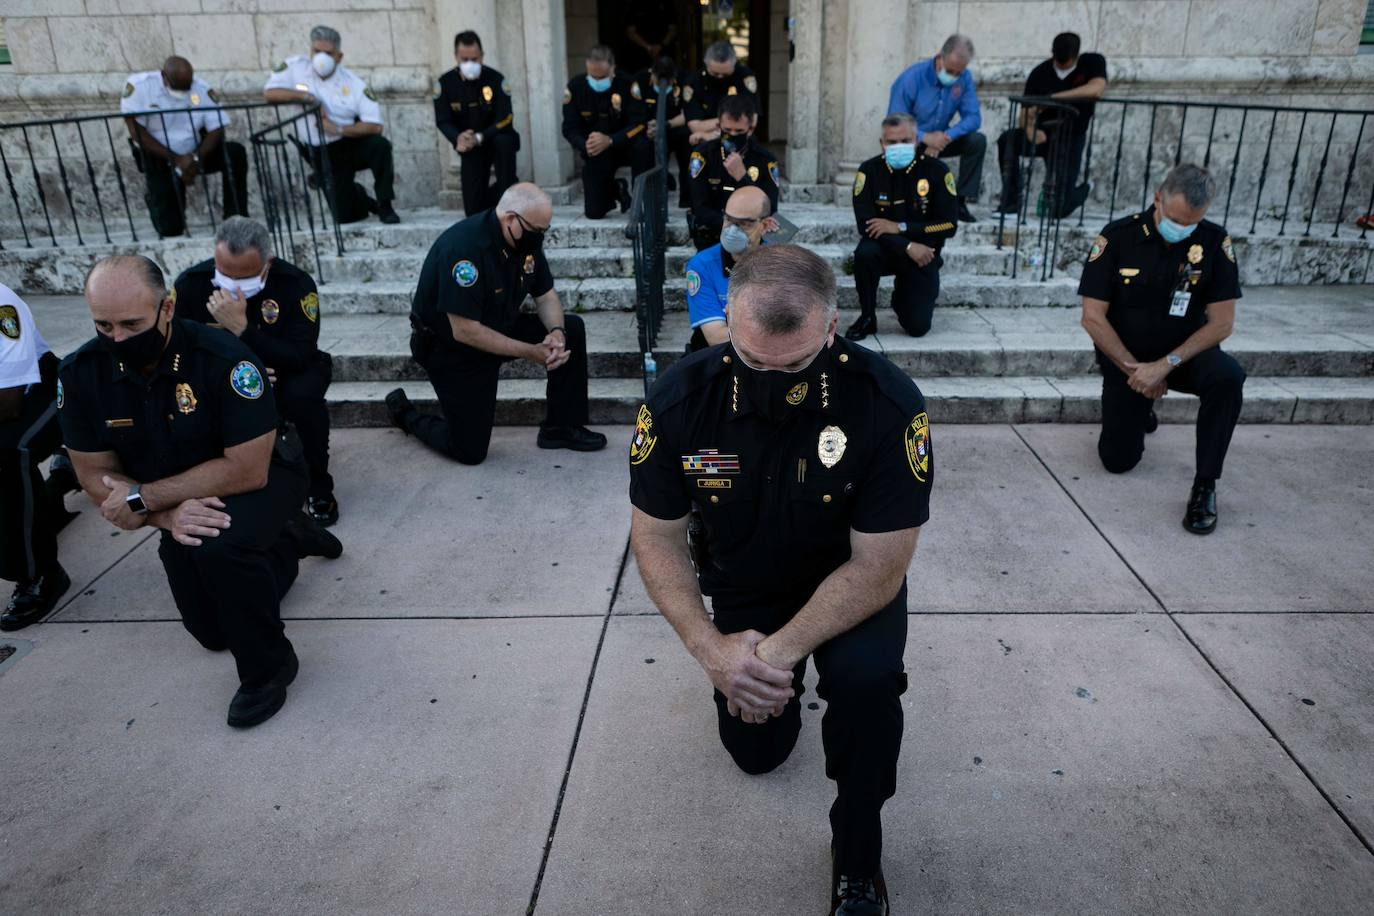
x=191, y=521
x=551, y=352
x=1149, y=379
x=754, y=689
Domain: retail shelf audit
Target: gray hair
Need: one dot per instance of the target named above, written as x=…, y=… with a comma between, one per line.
x=325, y=33
x=602, y=54
x=721, y=52
x=1195, y=183
x=784, y=286
x=522, y=198
x=899, y=119
x=143, y=267
x=239, y=233
x=957, y=43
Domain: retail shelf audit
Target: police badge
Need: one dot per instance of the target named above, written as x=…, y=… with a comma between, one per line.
x=186, y=398
x=271, y=311
x=831, y=445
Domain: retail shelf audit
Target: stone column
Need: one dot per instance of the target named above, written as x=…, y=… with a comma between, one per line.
x=804, y=92
x=876, y=51
x=546, y=56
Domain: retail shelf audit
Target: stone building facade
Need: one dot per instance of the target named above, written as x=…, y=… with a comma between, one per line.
x=71, y=56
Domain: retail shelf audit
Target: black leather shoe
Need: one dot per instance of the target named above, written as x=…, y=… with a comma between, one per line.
x=577, y=438
x=35, y=599
x=254, y=706
x=387, y=214
x=397, y=407
x=865, y=325
x=622, y=194
x=859, y=897
x=311, y=540
x=1201, y=517
x=964, y=215
x=323, y=509
x=1151, y=422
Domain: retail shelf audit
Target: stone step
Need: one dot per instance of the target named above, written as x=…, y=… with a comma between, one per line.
x=609, y=294
x=1014, y=399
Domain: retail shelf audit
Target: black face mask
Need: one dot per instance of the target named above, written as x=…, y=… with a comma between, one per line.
x=139, y=351
x=531, y=239
x=733, y=143
x=775, y=395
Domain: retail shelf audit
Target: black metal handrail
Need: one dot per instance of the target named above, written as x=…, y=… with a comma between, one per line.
x=647, y=230
x=1059, y=136
x=29, y=174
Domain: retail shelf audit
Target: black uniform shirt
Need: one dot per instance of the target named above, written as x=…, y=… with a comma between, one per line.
x=642, y=92
x=779, y=500
x=1137, y=273
x=614, y=112
x=470, y=272
x=482, y=105
x=1044, y=81
x=703, y=91
x=711, y=185
x=283, y=320
x=208, y=393
x=922, y=195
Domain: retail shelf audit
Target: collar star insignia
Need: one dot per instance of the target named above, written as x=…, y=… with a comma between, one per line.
x=825, y=390
x=734, y=395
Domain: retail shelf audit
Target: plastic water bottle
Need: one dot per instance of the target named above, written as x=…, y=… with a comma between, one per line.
x=1035, y=259
x=650, y=370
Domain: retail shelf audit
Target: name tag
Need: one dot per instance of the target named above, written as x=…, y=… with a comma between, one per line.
x=1179, y=307
x=119, y=424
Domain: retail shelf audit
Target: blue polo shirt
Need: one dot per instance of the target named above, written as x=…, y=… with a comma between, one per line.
x=918, y=93
x=707, y=286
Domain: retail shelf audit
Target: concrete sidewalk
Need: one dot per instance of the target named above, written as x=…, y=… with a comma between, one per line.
x=1106, y=714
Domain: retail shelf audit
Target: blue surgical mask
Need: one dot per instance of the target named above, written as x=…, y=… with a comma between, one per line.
x=900, y=155
x=1173, y=232
x=945, y=79
x=734, y=239
x=600, y=85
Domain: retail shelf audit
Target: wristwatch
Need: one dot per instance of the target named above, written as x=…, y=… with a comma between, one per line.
x=135, y=500
x=1174, y=360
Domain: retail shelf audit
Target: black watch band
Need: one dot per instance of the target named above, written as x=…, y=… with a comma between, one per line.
x=562, y=330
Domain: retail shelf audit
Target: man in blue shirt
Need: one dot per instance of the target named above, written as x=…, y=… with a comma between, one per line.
x=747, y=219
x=932, y=91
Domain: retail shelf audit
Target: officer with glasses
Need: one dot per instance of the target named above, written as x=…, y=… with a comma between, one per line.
x=467, y=322
x=721, y=166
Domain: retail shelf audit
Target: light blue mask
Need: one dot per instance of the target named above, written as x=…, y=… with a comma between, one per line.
x=600, y=85
x=900, y=155
x=1173, y=232
x=945, y=79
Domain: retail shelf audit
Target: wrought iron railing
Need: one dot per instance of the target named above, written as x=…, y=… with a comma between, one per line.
x=69, y=180
x=1057, y=120
x=647, y=229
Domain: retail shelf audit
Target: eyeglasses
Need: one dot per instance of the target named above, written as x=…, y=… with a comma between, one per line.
x=745, y=223
x=530, y=227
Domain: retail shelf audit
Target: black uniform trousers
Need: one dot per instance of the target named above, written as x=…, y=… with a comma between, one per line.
x=229, y=589
x=971, y=150
x=914, y=291
x=861, y=680
x=28, y=528
x=465, y=378
x=301, y=400
x=498, y=151
x=598, y=173
x=1012, y=145
x=346, y=157
x=166, y=195
x=1215, y=377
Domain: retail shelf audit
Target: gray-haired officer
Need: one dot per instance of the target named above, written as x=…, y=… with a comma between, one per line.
x=273, y=307
x=172, y=424
x=809, y=459
x=1159, y=296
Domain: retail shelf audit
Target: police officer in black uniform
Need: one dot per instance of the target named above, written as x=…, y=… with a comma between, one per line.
x=172, y=424
x=906, y=207
x=467, y=322
x=278, y=316
x=810, y=461
x=605, y=126
x=664, y=82
x=1159, y=296
x=473, y=111
x=721, y=75
x=733, y=160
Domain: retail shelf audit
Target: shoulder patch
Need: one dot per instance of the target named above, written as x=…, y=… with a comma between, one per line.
x=246, y=380
x=693, y=282
x=371, y=97
x=128, y=90
x=698, y=163
x=1099, y=246
x=9, y=322
x=859, y=179
x=773, y=172
x=280, y=67
x=949, y=184
x=751, y=84
x=1228, y=250
x=917, y=438
x=311, y=306
x=465, y=273
x=567, y=95
x=214, y=97
x=643, y=442
x=505, y=87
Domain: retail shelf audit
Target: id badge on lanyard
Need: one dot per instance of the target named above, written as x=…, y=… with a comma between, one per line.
x=1178, y=306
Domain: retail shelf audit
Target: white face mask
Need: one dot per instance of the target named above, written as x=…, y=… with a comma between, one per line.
x=323, y=64
x=470, y=69
x=1063, y=73
x=177, y=94
x=248, y=287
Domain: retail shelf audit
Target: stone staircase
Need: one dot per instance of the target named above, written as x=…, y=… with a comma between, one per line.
x=1003, y=349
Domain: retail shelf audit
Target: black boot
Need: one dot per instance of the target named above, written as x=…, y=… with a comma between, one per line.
x=1201, y=517
x=311, y=540
x=622, y=194
x=865, y=325
x=397, y=408
x=33, y=600
x=859, y=897
x=387, y=214
x=252, y=706
x=577, y=438
x=323, y=509
x=1151, y=422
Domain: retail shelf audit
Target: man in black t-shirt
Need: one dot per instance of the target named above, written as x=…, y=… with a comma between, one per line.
x=1049, y=134
x=651, y=30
